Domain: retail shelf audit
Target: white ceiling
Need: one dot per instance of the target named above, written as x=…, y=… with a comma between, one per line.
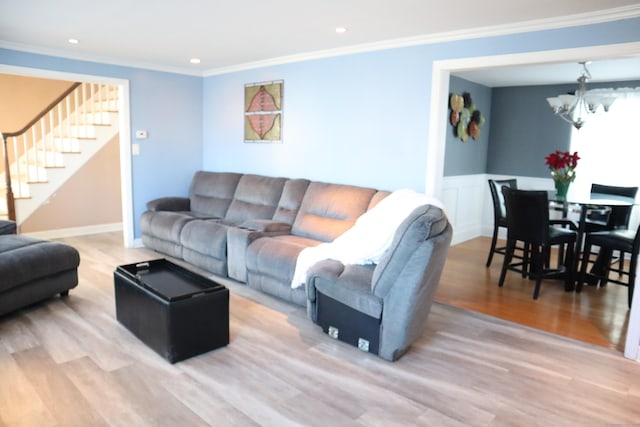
x=231, y=34
x=618, y=69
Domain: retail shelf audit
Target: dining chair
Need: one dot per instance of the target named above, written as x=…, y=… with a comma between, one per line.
x=623, y=240
x=528, y=222
x=614, y=217
x=499, y=213
x=611, y=218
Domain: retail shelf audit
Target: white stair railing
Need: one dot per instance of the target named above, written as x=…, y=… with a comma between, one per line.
x=58, y=129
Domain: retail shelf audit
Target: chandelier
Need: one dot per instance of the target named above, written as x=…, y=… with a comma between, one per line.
x=576, y=108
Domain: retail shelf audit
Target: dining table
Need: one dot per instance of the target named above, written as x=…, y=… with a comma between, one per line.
x=585, y=204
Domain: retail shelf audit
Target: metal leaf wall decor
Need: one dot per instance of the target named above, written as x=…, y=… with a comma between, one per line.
x=464, y=117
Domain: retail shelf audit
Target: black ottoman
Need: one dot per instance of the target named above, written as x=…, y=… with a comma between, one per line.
x=33, y=269
x=176, y=312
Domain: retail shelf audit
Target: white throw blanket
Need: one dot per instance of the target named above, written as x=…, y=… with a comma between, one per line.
x=370, y=236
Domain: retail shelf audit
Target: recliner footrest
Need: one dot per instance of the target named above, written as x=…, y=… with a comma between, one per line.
x=348, y=325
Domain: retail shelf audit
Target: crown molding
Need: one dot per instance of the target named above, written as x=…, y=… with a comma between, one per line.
x=589, y=18
x=96, y=58
x=597, y=17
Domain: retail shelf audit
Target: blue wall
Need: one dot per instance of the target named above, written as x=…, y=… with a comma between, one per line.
x=167, y=105
x=360, y=119
x=355, y=119
x=364, y=118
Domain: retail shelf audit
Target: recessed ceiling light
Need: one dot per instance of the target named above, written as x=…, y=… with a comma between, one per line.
x=195, y=60
x=341, y=30
x=74, y=41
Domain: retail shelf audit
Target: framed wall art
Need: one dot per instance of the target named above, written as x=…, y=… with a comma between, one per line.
x=263, y=112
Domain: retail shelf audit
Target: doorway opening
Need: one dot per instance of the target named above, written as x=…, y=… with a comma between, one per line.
x=124, y=133
x=442, y=71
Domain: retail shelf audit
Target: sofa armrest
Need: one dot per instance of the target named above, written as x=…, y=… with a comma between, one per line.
x=348, y=284
x=266, y=225
x=169, y=204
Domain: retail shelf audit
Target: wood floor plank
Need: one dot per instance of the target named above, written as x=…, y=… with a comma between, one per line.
x=15, y=335
x=62, y=344
x=472, y=366
x=213, y=409
x=20, y=404
x=109, y=395
x=62, y=399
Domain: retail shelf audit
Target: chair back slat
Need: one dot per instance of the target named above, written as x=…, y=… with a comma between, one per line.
x=495, y=185
x=527, y=215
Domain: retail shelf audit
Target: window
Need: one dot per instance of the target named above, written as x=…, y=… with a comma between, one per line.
x=609, y=149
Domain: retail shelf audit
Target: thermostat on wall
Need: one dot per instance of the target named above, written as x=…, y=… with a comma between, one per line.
x=141, y=134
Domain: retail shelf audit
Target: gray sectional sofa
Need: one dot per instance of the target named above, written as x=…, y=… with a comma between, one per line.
x=32, y=270
x=252, y=228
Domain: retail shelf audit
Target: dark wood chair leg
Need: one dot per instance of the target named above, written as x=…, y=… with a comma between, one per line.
x=604, y=268
x=538, y=259
x=583, y=267
x=506, y=261
x=569, y=278
x=526, y=261
x=494, y=240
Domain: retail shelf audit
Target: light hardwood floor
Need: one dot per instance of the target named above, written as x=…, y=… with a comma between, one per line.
x=597, y=315
x=67, y=362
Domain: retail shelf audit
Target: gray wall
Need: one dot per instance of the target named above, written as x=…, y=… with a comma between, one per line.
x=524, y=130
x=467, y=158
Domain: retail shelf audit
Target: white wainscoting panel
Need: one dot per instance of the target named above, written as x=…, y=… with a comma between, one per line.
x=463, y=197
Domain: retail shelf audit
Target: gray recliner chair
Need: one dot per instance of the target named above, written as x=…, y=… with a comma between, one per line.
x=383, y=308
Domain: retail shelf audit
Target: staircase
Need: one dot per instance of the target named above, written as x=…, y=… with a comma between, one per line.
x=55, y=145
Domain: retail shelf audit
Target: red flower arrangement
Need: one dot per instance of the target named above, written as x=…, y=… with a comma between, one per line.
x=562, y=165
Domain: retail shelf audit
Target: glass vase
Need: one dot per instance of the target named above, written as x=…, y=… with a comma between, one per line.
x=562, y=187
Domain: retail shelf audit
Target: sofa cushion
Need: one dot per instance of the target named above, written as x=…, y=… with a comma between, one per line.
x=270, y=264
x=377, y=198
x=205, y=236
x=289, y=204
x=165, y=225
x=256, y=197
x=211, y=192
x=328, y=210
x=24, y=259
x=276, y=256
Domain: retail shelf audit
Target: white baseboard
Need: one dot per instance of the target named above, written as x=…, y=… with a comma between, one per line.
x=76, y=231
